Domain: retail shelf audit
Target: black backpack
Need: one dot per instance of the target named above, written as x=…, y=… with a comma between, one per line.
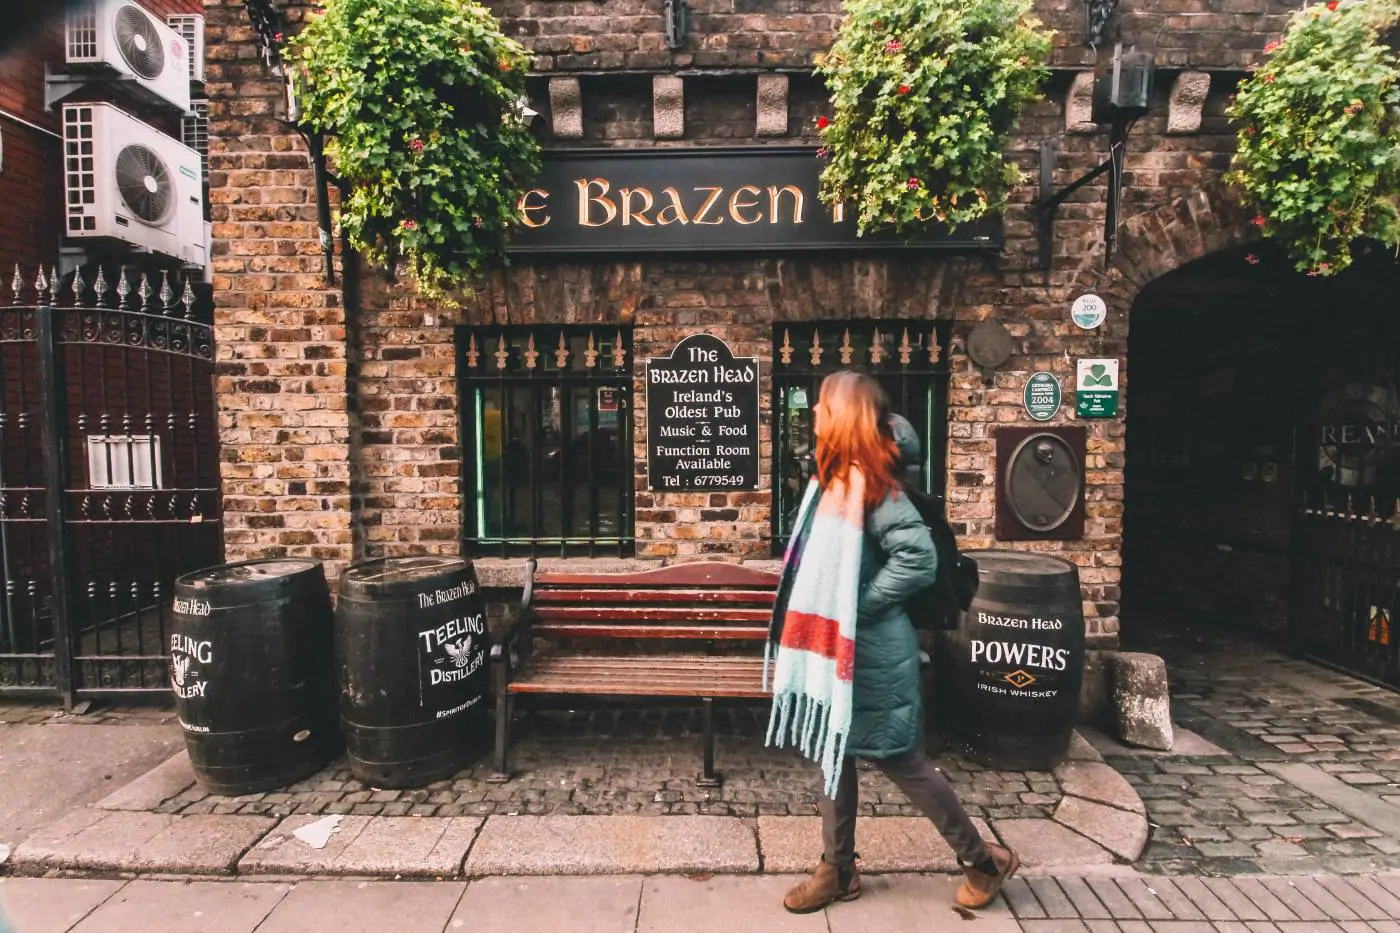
x=940, y=606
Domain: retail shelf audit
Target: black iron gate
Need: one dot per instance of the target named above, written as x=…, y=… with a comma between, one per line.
x=1346, y=534
x=108, y=479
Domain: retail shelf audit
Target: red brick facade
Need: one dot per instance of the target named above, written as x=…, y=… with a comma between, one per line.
x=339, y=435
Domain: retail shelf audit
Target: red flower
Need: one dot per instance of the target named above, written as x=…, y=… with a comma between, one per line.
x=1324, y=266
x=823, y=123
x=1272, y=46
x=1270, y=79
x=905, y=89
x=409, y=225
x=821, y=153
x=416, y=145
x=894, y=45
x=278, y=37
x=1332, y=5
x=914, y=184
x=1249, y=131
x=1252, y=259
x=1259, y=221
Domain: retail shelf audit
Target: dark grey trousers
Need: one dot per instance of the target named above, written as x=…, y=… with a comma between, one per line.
x=926, y=787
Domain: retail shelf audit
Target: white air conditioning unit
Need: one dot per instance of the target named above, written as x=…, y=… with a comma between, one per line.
x=194, y=132
x=125, y=180
x=190, y=26
x=122, y=36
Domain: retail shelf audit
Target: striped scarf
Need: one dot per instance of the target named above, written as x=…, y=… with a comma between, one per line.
x=814, y=626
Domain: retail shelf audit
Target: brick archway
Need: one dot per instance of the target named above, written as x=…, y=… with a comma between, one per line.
x=1150, y=245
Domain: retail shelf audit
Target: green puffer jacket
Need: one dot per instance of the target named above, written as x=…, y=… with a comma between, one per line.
x=897, y=561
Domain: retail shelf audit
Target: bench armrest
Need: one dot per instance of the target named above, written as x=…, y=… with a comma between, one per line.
x=514, y=646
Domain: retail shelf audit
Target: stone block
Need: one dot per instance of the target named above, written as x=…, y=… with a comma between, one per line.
x=1141, y=700
x=1122, y=832
x=1096, y=690
x=773, y=105
x=1049, y=844
x=602, y=845
x=154, y=787
x=1187, y=101
x=1079, y=105
x=1099, y=782
x=668, y=107
x=566, y=108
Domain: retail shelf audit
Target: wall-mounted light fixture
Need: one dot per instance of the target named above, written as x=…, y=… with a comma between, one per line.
x=1122, y=95
x=677, y=23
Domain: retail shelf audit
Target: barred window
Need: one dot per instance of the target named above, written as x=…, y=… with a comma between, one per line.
x=909, y=358
x=547, y=465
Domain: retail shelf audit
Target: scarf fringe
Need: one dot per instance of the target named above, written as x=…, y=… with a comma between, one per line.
x=803, y=722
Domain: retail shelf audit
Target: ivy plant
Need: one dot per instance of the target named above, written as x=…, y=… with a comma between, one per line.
x=924, y=97
x=1318, y=157
x=421, y=103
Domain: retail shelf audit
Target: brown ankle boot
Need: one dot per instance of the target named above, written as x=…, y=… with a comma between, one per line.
x=979, y=888
x=827, y=884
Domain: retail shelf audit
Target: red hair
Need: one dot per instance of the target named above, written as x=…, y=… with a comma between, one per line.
x=853, y=432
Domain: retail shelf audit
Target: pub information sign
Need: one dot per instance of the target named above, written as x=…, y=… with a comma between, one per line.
x=702, y=418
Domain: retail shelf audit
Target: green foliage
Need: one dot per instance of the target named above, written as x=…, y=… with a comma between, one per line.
x=1319, y=134
x=419, y=99
x=925, y=94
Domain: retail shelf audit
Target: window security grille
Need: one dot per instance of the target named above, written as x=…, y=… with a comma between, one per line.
x=123, y=461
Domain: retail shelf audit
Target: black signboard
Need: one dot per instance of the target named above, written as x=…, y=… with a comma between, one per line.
x=702, y=418
x=716, y=200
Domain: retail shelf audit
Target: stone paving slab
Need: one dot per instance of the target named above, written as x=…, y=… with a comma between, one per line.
x=1045, y=844
x=95, y=840
x=32, y=905
x=1122, y=832
x=153, y=788
x=381, y=846
x=793, y=844
x=730, y=902
x=366, y=907
x=890, y=903
x=563, y=904
x=591, y=845
x=1100, y=783
x=199, y=907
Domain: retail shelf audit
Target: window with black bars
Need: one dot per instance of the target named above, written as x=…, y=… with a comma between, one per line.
x=547, y=459
x=908, y=358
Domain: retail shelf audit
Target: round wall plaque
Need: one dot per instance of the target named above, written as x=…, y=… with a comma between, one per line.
x=1043, y=482
x=989, y=345
x=1089, y=311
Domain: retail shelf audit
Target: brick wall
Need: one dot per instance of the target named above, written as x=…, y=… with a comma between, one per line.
x=344, y=447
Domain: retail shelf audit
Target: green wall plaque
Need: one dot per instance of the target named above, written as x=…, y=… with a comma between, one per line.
x=1096, y=389
x=1042, y=396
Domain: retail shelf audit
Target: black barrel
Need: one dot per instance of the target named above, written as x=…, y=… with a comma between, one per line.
x=251, y=664
x=411, y=648
x=1008, y=678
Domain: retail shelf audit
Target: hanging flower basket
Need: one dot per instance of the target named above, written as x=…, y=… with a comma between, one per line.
x=1318, y=157
x=924, y=97
x=422, y=103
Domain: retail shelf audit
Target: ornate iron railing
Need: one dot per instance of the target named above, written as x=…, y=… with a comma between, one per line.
x=108, y=478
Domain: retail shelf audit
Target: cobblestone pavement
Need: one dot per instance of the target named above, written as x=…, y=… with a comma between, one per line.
x=1257, y=904
x=1232, y=814
x=635, y=762
x=16, y=713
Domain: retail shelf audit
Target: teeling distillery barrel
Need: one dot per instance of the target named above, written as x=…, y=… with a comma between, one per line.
x=411, y=645
x=1009, y=677
x=251, y=658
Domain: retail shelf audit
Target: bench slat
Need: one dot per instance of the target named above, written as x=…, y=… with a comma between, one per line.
x=632, y=675
x=594, y=613
x=715, y=632
x=697, y=573
x=632, y=596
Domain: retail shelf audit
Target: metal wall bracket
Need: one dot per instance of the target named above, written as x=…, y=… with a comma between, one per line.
x=1050, y=200
x=677, y=23
x=58, y=87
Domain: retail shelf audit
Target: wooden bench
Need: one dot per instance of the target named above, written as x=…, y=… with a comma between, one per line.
x=691, y=631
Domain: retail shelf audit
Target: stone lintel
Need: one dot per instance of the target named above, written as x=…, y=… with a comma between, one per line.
x=1079, y=105
x=1188, y=100
x=772, y=105
x=668, y=107
x=566, y=108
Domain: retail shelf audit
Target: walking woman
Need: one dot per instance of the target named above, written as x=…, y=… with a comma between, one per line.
x=846, y=676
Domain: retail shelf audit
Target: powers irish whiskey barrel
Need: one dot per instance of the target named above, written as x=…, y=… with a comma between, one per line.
x=1009, y=677
x=251, y=663
x=411, y=647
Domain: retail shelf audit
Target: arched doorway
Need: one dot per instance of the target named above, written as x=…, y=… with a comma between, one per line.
x=1263, y=456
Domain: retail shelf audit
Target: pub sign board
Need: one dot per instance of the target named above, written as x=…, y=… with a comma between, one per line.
x=701, y=200
x=702, y=418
